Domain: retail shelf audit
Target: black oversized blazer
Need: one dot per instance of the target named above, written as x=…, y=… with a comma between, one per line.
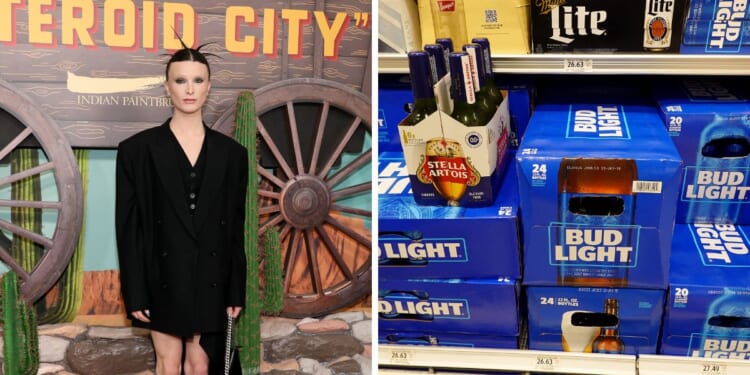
x=185, y=271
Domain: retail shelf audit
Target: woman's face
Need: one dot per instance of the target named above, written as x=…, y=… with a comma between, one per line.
x=188, y=85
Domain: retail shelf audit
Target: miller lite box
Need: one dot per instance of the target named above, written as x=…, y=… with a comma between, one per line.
x=605, y=26
x=709, y=121
x=716, y=27
x=708, y=308
x=594, y=320
x=451, y=164
x=598, y=186
x=482, y=306
x=443, y=241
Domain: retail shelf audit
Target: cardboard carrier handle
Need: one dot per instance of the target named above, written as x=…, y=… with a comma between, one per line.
x=727, y=321
x=594, y=319
x=596, y=205
x=726, y=147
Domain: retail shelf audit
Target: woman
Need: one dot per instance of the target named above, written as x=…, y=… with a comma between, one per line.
x=180, y=215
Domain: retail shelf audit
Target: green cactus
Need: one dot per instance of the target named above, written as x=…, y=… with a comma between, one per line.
x=248, y=325
x=68, y=302
x=20, y=336
x=273, y=301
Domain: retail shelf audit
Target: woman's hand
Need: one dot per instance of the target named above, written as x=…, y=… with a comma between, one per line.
x=234, y=311
x=142, y=315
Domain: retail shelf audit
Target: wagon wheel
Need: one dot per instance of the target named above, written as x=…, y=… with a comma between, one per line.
x=315, y=170
x=22, y=125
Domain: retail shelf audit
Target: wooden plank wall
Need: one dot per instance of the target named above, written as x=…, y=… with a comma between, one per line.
x=100, y=94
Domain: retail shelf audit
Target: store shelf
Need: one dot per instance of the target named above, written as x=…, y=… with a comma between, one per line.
x=599, y=64
x=478, y=359
x=670, y=365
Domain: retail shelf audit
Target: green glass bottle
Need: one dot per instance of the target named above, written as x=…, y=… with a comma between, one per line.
x=421, y=87
x=479, y=77
x=465, y=107
x=492, y=90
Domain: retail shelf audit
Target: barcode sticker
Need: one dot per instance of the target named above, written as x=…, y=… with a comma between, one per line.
x=653, y=187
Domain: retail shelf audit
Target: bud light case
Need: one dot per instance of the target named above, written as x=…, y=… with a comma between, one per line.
x=598, y=187
x=482, y=306
x=442, y=241
x=573, y=319
x=716, y=27
x=708, y=308
x=709, y=121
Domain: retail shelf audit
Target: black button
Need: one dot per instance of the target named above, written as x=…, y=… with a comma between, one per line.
x=213, y=285
x=192, y=206
x=164, y=254
x=192, y=195
x=213, y=253
x=164, y=286
x=192, y=174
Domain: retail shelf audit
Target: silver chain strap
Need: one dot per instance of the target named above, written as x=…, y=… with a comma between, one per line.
x=228, y=353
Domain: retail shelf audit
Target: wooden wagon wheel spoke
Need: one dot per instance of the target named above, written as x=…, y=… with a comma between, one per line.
x=340, y=148
x=295, y=137
x=351, y=190
x=312, y=257
x=269, y=176
x=15, y=142
x=274, y=150
x=27, y=173
x=319, y=136
x=315, y=158
x=352, y=167
x=332, y=250
x=352, y=210
x=349, y=232
x=12, y=264
x=30, y=204
x=25, y=233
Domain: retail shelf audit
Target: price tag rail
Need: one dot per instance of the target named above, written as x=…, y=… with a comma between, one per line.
x=635, y=63
x=403, y=359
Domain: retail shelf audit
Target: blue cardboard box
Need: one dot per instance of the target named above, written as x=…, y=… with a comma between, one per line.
x=708, y=308
x=571, y=319
x=394, y=101
x=598, y=186
x=709, y=122
x=444, y=242
x=481, y=306
x=716, y=27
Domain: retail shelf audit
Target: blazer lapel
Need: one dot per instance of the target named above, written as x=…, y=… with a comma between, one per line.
x=213, y=178
x=165, y=162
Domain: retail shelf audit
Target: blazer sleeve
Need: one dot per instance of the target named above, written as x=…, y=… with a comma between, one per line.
x=238, y=271
x=128, y=231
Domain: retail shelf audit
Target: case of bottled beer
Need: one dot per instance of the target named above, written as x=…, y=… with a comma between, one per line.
x=708, y=308
x=598, y=186
x=716, y=27
x=394, y=102
x=467, y=306
x=457, y=149
x=441, y=241
x=709, y=121
x=594, y=320
x=607, y=26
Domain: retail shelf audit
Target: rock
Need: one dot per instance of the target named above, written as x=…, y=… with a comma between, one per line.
x=307, y=320
x=117, y=332
x=347, y=316
x=287, y=365
x=345, y=367
x=52, y=349
x=324, y=348
x=362, y=330
x=275, y=328
x=98, y=356
x=311, y=366
x=70, y=331
x=49, y=368
x=365, y=364
x=331, y=325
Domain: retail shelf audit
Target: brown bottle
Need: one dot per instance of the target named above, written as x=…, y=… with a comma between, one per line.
x=595, y=193
x=609, y=340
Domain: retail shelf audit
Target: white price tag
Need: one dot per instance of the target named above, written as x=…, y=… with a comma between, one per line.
x=713, y=369
x=544, y=362
x=401, y=356
x=578, y=65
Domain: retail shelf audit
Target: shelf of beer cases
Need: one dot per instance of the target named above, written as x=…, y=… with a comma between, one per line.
x=403, y=359
x=661, y=64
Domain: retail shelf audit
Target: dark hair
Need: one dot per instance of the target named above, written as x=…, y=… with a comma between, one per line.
x=189, y=54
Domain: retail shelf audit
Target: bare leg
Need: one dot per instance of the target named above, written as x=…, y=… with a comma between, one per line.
x=168, y=350
x=196, y=359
